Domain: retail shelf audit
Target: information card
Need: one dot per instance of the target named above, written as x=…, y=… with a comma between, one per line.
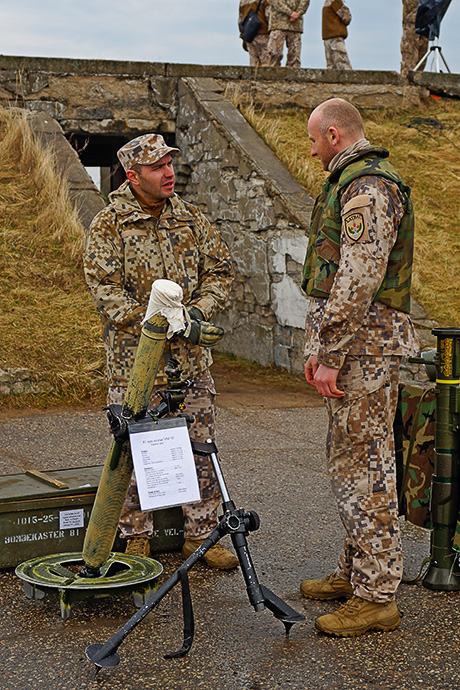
x=163, y=463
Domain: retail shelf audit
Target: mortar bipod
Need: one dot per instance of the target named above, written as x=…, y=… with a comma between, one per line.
x=235, y=522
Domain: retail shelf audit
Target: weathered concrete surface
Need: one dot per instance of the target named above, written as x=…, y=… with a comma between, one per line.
x=273, y=462
x=440, y=83
x=82, y=191
x=263, y=214
x=126, y=98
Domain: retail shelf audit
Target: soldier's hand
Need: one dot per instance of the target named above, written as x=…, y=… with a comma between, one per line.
x=199, y=332
x=326, y=382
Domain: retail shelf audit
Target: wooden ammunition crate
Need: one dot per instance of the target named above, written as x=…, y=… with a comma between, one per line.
x=37, y=518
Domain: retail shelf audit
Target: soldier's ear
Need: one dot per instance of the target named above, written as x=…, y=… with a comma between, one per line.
x=333, y=135
x=132, y=176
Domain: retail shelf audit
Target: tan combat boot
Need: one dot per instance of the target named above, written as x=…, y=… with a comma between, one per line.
x=216, y=557
x=138, y=546
x=330, y=587
x=356, y=616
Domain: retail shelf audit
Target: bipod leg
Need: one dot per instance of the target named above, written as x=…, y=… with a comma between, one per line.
x=105, y=655
x=259, y=595
x=189, y=622
x=238, y=523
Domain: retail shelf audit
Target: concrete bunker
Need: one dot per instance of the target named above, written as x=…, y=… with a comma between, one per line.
x=225, y=167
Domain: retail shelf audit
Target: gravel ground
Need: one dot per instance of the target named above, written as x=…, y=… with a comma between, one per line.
x=273, y=462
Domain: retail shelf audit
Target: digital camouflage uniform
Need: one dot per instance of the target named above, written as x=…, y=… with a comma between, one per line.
x=335, y=19
x=257, y=48
x=126, y=250
x=283, y=31
x=365, y=339
x=413, y=46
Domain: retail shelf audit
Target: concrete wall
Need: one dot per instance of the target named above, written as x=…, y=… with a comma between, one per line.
x=125, y=98
x=263, y=214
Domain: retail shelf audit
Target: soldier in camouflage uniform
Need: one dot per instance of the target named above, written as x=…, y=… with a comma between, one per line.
x=358, y=274
x=335, y=19
x=145, y=233
x=413, y=46
x=257, y=48
x=285, y=26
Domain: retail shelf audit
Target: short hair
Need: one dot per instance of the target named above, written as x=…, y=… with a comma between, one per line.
x=340, y=113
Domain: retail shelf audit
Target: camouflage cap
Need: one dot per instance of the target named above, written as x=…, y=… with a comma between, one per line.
x=144, y=150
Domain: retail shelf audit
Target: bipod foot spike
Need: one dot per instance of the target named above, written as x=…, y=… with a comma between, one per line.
x=282, y=611
x=93, y=653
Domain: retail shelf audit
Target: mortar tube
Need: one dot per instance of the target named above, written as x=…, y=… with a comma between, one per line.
x=118, y=467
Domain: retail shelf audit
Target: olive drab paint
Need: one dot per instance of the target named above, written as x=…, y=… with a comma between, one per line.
x=118, y=467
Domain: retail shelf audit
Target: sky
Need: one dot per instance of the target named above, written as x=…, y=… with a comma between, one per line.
x=197, y=31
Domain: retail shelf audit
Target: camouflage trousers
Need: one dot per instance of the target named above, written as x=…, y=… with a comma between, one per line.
x=276, y=41
x=362, y=469
x=199, y=518
x=257, y=50
x=336, y=54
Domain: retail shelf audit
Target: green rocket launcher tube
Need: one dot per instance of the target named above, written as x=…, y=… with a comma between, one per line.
x=118, y=467
x=443, y=573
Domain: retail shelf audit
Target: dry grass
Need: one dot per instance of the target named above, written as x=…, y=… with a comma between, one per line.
x=47, y=321
x=424, y=146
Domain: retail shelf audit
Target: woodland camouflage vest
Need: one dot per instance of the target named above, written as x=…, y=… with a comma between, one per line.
x=323, y=254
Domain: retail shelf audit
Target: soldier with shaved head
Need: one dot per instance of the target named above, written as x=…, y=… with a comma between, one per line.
x=357, y=274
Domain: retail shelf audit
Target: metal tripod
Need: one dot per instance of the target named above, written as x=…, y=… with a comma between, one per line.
x=435, y=48
x=235, y=522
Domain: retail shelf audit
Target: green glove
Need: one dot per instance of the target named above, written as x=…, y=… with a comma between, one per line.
x=199, y=332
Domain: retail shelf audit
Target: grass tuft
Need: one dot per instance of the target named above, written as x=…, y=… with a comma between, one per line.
x=48, y=324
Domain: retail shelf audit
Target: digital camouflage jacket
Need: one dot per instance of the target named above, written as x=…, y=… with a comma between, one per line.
x=127, y=249
x=323, y=253
x=360, y=220
x=281, y=10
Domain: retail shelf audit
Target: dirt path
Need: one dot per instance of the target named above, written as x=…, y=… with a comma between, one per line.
x=244, y=385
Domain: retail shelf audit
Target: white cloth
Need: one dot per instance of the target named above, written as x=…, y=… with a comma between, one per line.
x=166, y=299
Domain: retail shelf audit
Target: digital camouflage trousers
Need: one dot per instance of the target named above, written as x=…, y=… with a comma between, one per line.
x=336, y=54
x=362, y=469
x=276, y=41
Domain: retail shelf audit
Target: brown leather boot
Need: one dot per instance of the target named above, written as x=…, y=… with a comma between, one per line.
x=216, y=557
x=330, y=587
x=356, y=616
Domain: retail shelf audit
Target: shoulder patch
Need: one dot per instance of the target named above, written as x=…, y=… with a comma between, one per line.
x=356, y=218
x=355, y=226
x=357, y=202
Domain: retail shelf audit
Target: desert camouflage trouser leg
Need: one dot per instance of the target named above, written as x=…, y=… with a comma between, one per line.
x=199, y=518
x=362, y=468
x=293, y=40
x=257, y=50
x=336, y=54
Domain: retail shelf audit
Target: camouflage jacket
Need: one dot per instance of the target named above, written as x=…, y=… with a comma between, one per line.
x=281, y=10
x=127, y=249
x=335, y=19
x=346, y=319
x=328, y=217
